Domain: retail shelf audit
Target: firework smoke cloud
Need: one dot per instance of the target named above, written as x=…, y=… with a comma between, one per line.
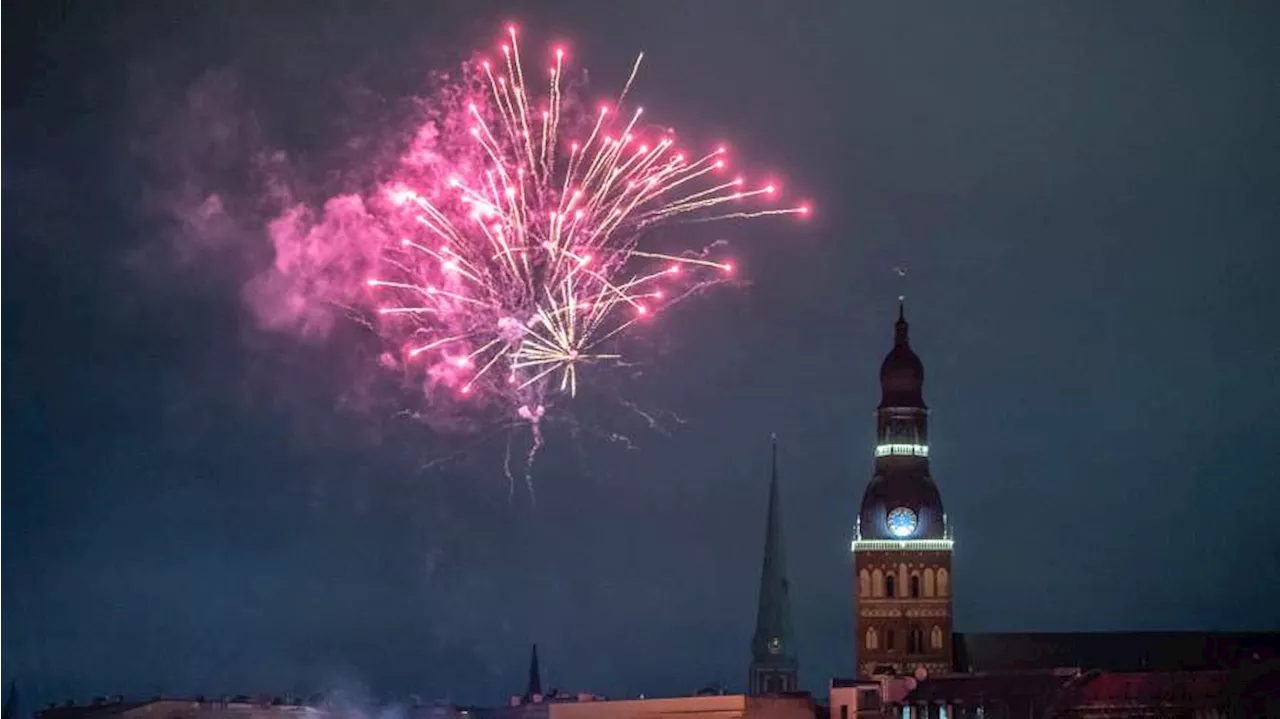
x=503, y=260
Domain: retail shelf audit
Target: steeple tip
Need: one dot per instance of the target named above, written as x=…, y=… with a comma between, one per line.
x=773, y=444
x=900, y=327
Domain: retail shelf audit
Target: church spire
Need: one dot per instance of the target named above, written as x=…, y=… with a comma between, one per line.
x=773, y=664
x=535, y=676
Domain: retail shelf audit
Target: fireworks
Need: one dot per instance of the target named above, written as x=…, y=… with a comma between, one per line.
x=519, y=263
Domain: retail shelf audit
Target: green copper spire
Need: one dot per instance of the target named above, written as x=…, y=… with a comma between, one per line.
x=773, y=659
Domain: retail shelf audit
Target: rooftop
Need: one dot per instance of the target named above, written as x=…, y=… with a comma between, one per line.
x=1113, y=651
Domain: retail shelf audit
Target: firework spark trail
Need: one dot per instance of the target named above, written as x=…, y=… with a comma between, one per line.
x=519, y=265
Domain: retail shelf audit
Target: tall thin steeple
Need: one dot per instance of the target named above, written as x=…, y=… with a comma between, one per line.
x=773, y=661
x=535, y=676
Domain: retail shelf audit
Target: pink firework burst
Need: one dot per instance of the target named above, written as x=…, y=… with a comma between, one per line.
x=520, y=263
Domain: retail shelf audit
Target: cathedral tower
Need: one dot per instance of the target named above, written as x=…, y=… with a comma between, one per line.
x=773, y=659
x=902, y=543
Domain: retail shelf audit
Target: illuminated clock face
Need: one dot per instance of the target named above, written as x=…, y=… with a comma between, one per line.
x=775, y=645
x=902, y=522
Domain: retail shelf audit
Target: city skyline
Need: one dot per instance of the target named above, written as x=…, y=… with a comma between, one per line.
x=1077, y=194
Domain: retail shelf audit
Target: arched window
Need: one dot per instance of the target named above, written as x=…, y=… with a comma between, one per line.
x=877, y=583
x=942, y=583
x=915, y=640
x=914, y=585
x=864, y=583
x=928, y=583
x=935, y=637
x=890, y=585
x=873, y=639
x=889, y=639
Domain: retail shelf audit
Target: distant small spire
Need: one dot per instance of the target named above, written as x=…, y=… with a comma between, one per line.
x=11, y=701
x=535, y=676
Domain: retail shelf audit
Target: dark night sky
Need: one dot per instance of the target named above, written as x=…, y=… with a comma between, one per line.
x=1086, y=194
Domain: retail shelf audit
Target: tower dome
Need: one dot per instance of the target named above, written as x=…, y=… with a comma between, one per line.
x=901, y=505
x=902, y=372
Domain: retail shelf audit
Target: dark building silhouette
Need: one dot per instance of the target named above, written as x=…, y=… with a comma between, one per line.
x=902, y=545
x=774, y=666
x=1114, y=651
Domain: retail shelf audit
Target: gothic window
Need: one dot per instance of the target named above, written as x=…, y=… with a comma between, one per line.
x=935, y=637
x=928, y=582
x=864, y=583
x=873, y=639
x=915, y=585
x=877, y=583
x=942, y=583
x=914, y=643
x=890, y=584
x=889, y=640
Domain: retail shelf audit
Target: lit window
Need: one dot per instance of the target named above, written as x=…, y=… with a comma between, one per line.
x=906, y=450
